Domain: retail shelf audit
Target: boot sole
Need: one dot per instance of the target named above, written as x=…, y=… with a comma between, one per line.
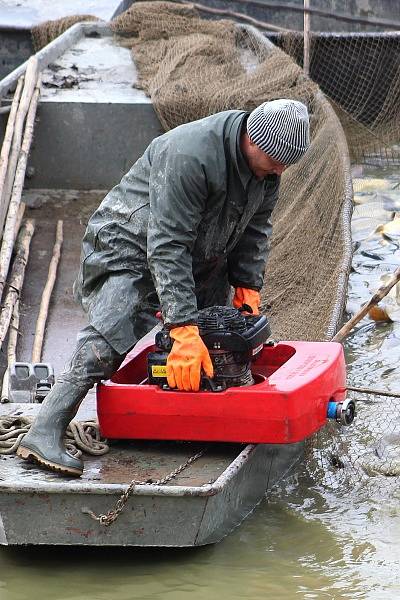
x=28, y=454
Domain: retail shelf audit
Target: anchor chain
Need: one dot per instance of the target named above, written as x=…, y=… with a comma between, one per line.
x=112, y=515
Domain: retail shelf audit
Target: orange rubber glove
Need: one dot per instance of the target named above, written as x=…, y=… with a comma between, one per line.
x=188, y=356
x=246, y=296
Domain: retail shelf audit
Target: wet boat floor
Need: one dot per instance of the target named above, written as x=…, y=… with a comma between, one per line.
x=144, y=460
x=141, y=460
x=65, y=316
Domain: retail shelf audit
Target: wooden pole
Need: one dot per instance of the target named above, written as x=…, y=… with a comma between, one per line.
x=239, y=16
x=377, y=297
x=30, y=82
x=8, y=136
x=14, y=326
x=44, y=304
x=15, y=201
x=361, y=390
x=306, y=59
x=13, y=335
x=17, y=276
x=20, y=216
x=11, y=350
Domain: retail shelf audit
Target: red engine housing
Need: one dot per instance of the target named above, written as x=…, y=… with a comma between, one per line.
x=288, y=403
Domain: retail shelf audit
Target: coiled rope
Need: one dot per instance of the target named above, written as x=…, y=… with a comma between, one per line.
x=81, y=436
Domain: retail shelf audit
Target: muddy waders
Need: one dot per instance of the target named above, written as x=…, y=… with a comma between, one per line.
x=94, y=360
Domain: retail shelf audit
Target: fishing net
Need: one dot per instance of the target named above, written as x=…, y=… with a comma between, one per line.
x=46, y=32
x=364, y=456
x=193, y=67
x=356, y=62
x=361, y=76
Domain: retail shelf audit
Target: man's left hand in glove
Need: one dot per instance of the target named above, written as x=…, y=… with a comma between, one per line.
x=245, y=296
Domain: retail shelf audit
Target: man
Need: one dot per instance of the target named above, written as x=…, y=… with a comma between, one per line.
x=187, y=222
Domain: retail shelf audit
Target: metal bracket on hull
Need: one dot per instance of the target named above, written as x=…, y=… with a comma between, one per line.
x=30, y=382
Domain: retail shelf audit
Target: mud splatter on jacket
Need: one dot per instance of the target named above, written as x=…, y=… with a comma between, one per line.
x=188, y=220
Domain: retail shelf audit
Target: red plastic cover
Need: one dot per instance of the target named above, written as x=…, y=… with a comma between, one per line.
x=288, y=403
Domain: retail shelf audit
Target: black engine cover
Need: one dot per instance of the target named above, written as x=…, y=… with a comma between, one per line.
x=233, y=341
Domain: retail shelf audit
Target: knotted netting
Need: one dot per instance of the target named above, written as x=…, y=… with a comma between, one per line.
x=46, y=32
x=365, y=457
x=193, y=67
x=360, y=74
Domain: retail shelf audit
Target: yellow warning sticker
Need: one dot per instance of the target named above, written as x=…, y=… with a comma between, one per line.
x=159, y=370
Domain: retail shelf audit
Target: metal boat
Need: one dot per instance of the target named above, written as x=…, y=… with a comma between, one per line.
x=91, y=130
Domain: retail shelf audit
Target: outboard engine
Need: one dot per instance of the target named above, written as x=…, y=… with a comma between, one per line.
x=233, y=340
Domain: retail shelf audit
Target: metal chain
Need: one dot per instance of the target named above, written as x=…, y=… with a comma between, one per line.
x=112, y=515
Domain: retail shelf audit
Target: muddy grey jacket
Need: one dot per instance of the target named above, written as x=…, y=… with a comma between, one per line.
x=188, y=217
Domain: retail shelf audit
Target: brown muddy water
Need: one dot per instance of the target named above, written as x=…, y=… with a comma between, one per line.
x=324, y=533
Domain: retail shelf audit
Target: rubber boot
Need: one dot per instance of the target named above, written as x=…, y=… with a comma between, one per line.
x=93, y=360
x=44, y=442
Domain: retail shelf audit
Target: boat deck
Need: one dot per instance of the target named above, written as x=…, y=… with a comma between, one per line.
x=125, y=461
x=65, y=317
x=46, y=207
x=143, y=461
x=94, y=70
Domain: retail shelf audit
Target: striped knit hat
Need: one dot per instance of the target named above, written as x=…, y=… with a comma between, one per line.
x=280, y=129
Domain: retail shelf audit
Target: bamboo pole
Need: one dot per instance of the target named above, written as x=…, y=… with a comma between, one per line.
x=8, y=136
x=17, y=276
x=30, y=82
x=15, y=201
x=377, y=297
x=306, y=59
x=44, y=304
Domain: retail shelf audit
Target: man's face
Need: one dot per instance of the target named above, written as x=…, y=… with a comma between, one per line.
x=261, y=164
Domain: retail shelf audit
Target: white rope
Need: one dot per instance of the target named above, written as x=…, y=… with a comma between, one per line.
x=80, y=436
